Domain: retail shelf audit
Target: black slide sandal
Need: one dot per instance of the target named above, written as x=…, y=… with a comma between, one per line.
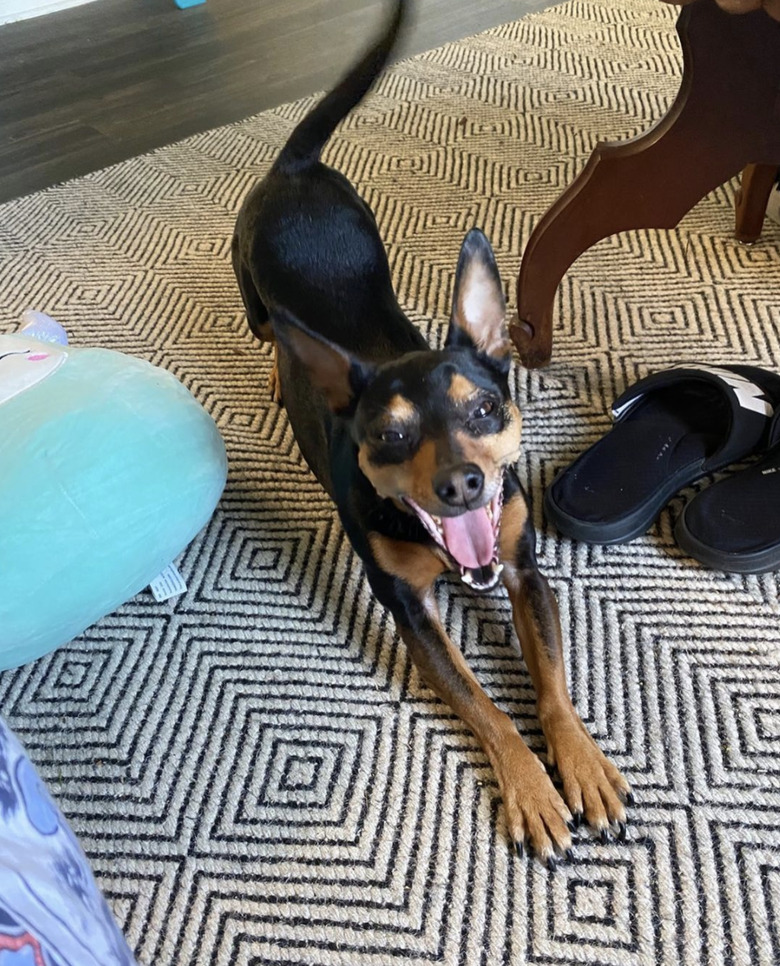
x=670, y=429
x=734, y=525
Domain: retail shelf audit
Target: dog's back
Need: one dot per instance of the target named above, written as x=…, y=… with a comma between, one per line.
x=306, y=242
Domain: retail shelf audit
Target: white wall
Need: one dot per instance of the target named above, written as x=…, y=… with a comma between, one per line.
x=11, y=10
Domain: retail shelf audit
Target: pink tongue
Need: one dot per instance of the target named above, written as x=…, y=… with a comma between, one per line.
x=469, y=538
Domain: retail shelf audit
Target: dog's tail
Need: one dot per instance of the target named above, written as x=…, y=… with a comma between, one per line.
x=307, y=140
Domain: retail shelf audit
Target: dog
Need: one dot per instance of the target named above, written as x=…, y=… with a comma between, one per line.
x=416, y=448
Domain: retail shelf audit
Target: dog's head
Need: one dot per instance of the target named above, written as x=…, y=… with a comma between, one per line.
x=435, y=429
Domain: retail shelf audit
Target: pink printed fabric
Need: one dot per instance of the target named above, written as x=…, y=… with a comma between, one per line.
x=51, y=911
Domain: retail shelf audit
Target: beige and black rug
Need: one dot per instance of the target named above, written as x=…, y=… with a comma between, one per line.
x=254, y=769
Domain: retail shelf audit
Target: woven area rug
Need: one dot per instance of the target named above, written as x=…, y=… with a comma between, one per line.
x=254, y=769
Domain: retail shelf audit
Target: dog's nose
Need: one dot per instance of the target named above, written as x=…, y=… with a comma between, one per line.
x=459, y=486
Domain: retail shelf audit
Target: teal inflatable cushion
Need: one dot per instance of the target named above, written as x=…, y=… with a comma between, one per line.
x=108, y=468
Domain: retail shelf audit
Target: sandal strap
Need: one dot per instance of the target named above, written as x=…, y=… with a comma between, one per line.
x=773, y=437
x=752, y=404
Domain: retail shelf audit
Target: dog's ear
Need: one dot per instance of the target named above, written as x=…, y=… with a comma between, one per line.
x=337, y=373
x=478, y=304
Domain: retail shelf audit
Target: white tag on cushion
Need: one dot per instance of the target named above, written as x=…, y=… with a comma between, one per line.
x=169, y=584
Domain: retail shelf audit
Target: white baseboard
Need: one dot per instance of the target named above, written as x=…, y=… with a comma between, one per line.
x=12, y=10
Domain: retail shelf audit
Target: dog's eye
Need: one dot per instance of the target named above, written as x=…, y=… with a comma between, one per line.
x=485, y=408
x=392, y=436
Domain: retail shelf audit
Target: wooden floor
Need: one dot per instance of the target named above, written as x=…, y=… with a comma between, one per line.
x=90, y=86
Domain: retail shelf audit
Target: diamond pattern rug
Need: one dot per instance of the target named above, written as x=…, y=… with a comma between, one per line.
x=255, y=769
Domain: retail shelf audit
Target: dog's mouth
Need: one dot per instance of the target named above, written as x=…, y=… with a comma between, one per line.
x=470, y=540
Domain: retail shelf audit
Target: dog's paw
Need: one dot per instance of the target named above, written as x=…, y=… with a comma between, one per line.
x=537, y=816
x=593, y=787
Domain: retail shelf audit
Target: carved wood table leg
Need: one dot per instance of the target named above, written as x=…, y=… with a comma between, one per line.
x=752, y=197
x=726, y=115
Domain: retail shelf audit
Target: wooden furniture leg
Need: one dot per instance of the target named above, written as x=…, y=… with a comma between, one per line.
x=726, y=115
x=752, y=197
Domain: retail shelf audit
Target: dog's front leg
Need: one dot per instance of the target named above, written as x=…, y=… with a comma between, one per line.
x=403, y=581
x=592, y=786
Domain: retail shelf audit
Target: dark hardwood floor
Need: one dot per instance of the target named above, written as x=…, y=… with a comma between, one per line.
x=93, y=85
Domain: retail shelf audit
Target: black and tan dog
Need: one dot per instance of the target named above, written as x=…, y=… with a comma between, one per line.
x=416, y=447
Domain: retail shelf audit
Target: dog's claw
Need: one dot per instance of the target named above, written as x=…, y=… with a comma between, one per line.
x=569, y=855
x=274, y=381
x=552, y=863
x=520, y=849
x=593, y=787
x=622, y=832
x=605, y=836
